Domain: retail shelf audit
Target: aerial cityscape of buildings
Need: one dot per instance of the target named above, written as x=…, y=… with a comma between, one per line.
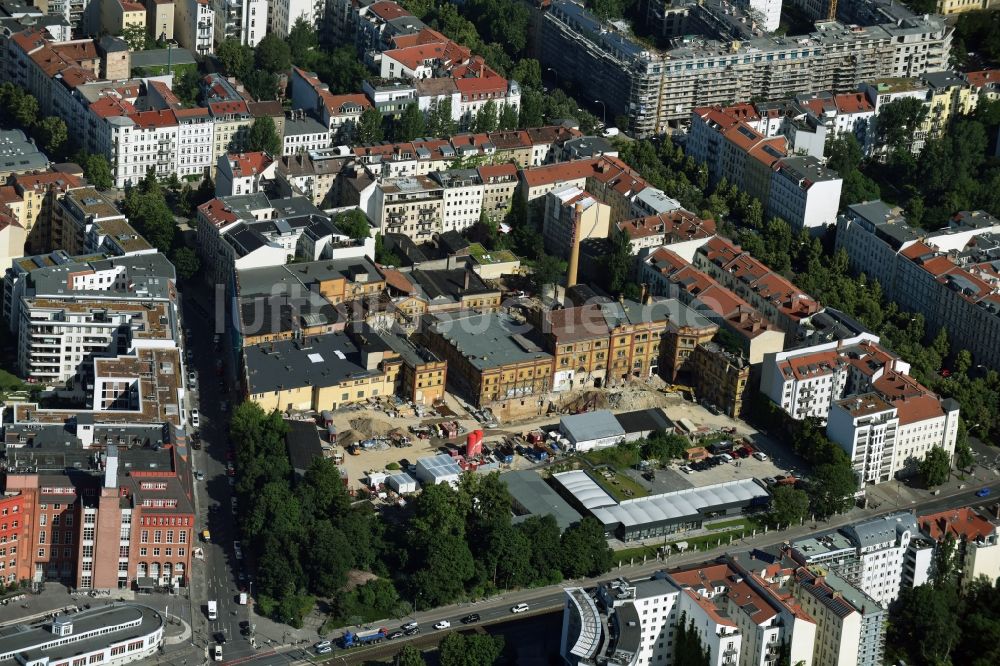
x=508, y=281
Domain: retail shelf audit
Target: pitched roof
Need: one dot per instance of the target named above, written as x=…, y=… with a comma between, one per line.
x=962, y=523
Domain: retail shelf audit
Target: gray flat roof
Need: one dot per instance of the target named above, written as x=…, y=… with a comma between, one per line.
x=490, y=340
x=529, y=492
x=159, y=57
x=320, y=360
x=666, y=507
x=598, y=424
x=34, y=639
x=644, y=419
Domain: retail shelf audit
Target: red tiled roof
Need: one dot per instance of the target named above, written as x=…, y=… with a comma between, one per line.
x=561, y=172
x=248, y=164
x=228, y=108
x=677, y=225
x=107, y=107
x=962, y=523
x=388, y=11
x=853, y=103
x=983, y=78
x=396, y=280
x=154, y=119
x=498, y=171
x=44, y=179
x=8, y=194
x=425, y=36
x=31, y=39
x=216, y=213
x=335, y=103
x=7, y=219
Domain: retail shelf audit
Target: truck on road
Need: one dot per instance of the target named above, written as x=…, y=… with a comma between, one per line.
x=354, y=639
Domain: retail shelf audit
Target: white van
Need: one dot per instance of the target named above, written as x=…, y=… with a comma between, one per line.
x=213, y=610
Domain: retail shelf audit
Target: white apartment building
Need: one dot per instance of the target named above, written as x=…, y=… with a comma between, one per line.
x=304, y=134
x=463, y=198
x=865, y=426
x=194, y=25
x=806, y=381
x=284, y=14
x=766, y=12
x=104, y=308
x=245, y=20
x=195, y=142
x=243, y=173
x=804, y=193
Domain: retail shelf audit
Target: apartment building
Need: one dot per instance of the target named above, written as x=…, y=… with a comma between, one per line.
x=12, y=238
x=194, y=25
x=499, y=185
x=667, y=274
x=806, y=381
x=463, y=198
x=492, y=359
x=947, y=7
x=680, y=230
x=868, y=554
x=739, y=617
x=865, y=426
x=948, y=275
x=774, y=296
x=720, y=377
x=244, y=20
x=573, y=215
x=284, y=13
x=655, y=89
x=66, y=314
x=113, y=511
x=796, y=188
x=119, y=15
x=410, y=205
x=313, y=176
x=243, y=173
x=607, y=178
x=423, y=376
x=85, y=222
x=340, y=113
x=32, y=198
x=850, y=625
x=977, y=548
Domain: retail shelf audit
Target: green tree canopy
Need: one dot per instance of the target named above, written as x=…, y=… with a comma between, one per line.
x=96, y=169
x=237, y=59
x=369, y=128
x=272, y=54
x=302, y=40
x=52, y=133
x=788, y=505
x=353, y=223
x=470, y=650
x=935, y=467
x=410, y=124
x=186, y=262
x=263, y=135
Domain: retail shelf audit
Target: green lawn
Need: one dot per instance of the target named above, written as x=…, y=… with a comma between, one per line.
x=729, y=524
x=620, y=486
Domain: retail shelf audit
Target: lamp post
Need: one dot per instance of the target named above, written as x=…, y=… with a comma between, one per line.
x=604, y=111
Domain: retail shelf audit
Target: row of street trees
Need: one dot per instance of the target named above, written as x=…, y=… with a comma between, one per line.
x=306, y=535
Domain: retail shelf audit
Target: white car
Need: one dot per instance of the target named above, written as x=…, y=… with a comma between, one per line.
x=192, y=380
x=443, y=624
x=520, y=608
x=238, y=550
x=760, y=455
x=217, y=653
x=410, y=625
x=195, y=418
x=322, y=644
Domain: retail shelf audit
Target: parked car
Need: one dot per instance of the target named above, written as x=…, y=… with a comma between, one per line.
x=413, y=631
x=686, y=469
x=200, y=476
x=520, y=608
x=195, y=418
x=322, y=644
x=442, y=624
x=983, y=492
x=470, y=618
x=192, y=380
x=324, y=650
x=398, y=633
x=760, y=455
x=217, y=653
